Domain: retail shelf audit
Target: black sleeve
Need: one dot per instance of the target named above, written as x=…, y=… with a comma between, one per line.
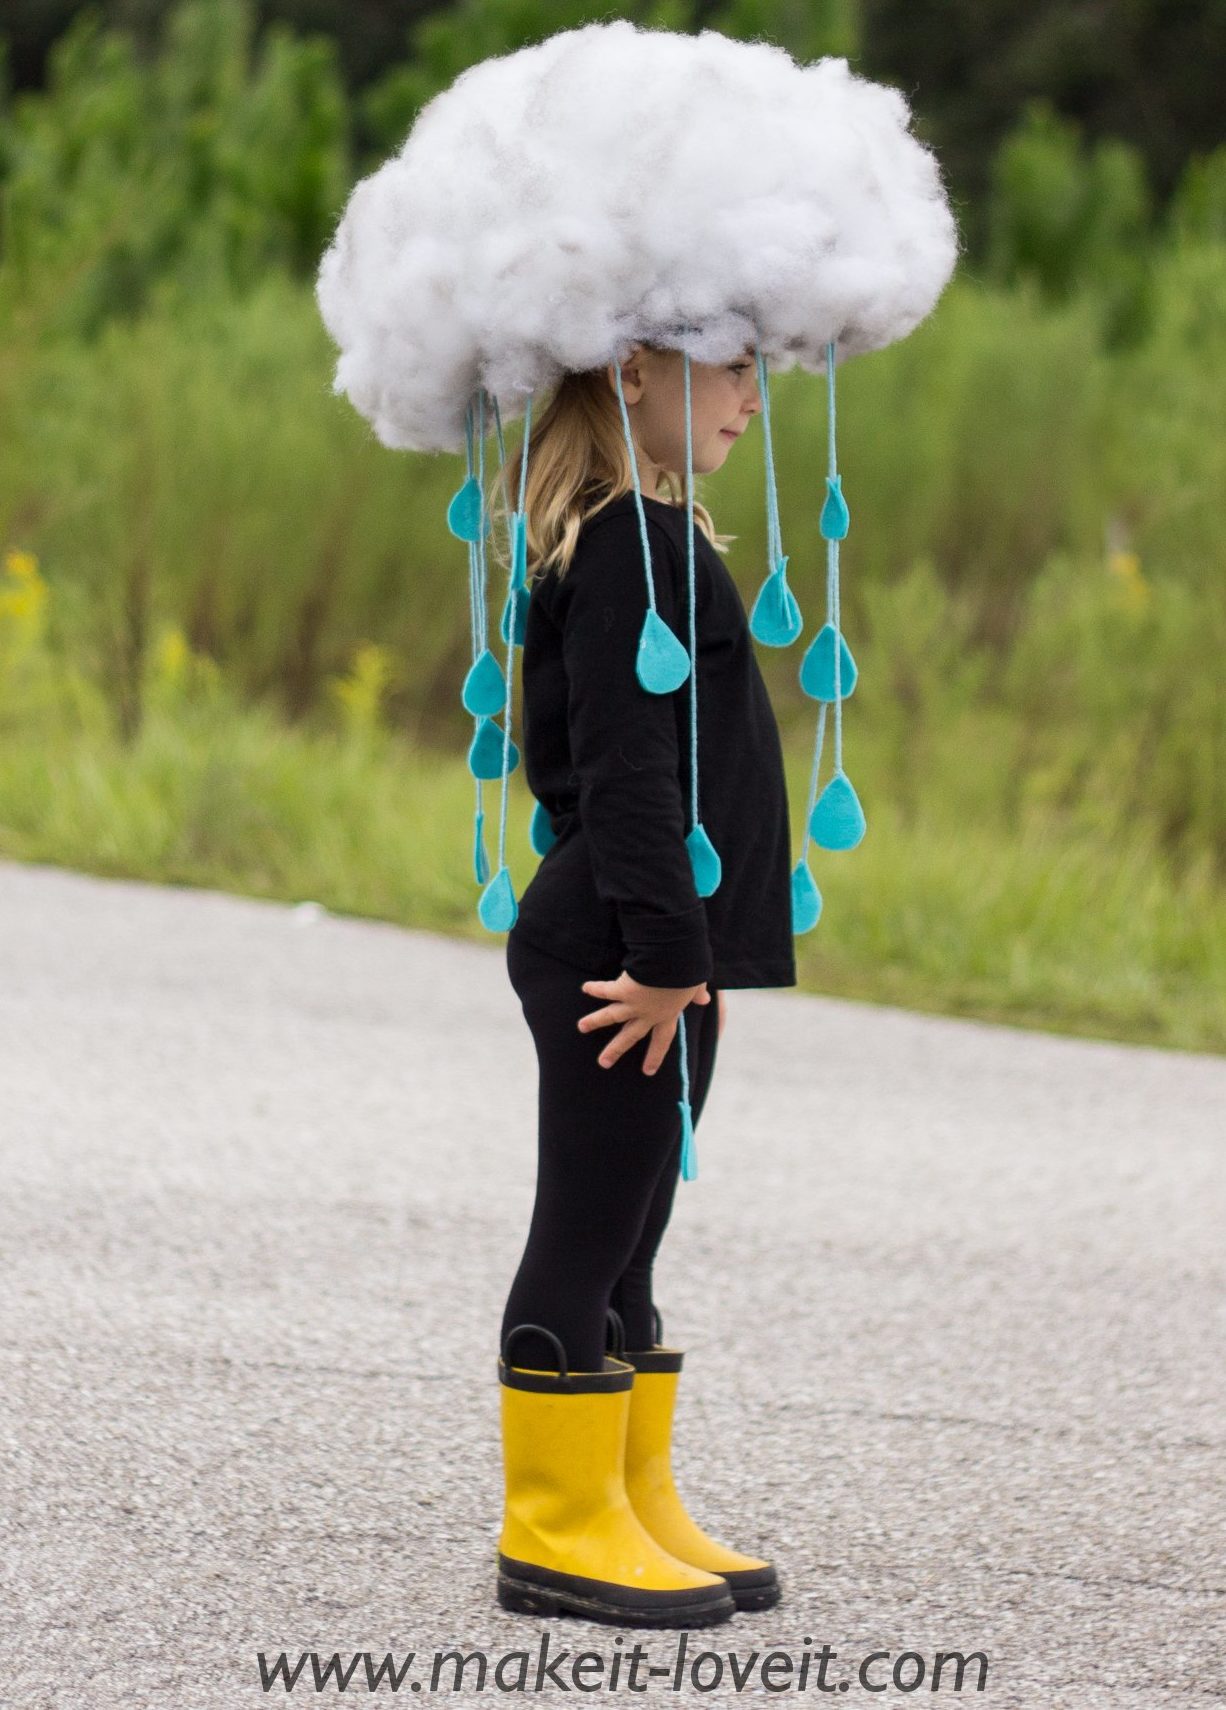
x=624, y=746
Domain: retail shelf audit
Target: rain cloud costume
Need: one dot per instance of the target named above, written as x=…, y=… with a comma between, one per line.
x=554, y=206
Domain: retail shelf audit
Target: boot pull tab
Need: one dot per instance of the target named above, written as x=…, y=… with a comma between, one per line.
x=559, y=1350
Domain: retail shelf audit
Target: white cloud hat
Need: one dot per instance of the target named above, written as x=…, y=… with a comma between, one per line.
x=614, y=183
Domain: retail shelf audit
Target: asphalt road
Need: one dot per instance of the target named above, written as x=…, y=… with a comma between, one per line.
x=951, y=1295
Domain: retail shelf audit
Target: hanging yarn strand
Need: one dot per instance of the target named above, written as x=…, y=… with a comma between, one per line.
x=662, y=663
x=704, y=858
x=689, y=582
x=774, y=534
x=775, y=618
x=497, y=908
x=460, y=520
x=828, y=671
x=704, y=861
x=541, y=835
x=689, y=1149
x=503, y=875
x=838, y=528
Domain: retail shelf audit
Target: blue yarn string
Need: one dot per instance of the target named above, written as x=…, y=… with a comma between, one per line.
x=689, y=530
x=832, y=559
x=689, y=570
x=481, y=579
x=685, y=1091
x=634, y=476
x=523, y=462
x=510, y=664
x=774, y=552
x=502, y=450
x=817, y=761
x=651, y=596
x=509, y=668
x=472, y=545
x=774, y=534
x=473, y=593
x=833, y=617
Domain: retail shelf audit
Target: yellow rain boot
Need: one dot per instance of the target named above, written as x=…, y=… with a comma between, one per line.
x=649, y=1478
x=570, y=1541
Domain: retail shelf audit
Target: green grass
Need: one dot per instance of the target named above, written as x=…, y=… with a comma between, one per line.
x=1040, y=928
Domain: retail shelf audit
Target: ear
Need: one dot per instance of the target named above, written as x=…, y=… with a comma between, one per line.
x=632, y=376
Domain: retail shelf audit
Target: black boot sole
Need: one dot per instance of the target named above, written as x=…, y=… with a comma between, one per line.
x=753, y=1588
x=531, y=1590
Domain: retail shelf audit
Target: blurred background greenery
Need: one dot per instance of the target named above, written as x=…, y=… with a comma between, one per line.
x=233, y=627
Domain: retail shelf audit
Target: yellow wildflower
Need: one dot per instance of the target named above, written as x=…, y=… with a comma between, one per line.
x=1132, y=589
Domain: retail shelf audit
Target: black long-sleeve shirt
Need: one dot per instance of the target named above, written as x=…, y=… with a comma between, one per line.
x=610, y=763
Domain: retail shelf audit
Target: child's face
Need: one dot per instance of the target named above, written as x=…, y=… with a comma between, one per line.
x=723, y=397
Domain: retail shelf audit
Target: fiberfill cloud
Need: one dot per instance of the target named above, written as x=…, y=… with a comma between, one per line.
x=614, y=183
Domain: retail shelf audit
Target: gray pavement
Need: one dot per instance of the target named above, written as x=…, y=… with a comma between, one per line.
x=951, y=1296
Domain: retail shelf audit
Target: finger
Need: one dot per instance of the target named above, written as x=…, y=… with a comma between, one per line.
x=603, y=1017
x=661, y=1038
x=630, y=1035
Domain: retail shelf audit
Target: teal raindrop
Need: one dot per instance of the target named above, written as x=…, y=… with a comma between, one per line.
x=519, y=550
x=540, y=832
x=464, y=511
x=817, y=666
x=485, y=751
x=485, y=688
x=806, y=899
x=775, y=619
x=689, y=1152
x=515, y=616
x=704, y=861
x=481, y=865
x=498, y=908
x=663, y=663
x=837, y=820
x=835, y=518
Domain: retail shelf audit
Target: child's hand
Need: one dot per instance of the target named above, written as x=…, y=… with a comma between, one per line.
x=642, y=1009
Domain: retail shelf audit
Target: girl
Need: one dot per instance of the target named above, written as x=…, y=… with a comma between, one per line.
x=611, y=951
x=554, y=203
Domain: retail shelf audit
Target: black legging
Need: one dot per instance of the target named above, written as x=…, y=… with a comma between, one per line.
x=609, y=1159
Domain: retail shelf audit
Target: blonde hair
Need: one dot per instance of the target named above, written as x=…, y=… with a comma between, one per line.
x=578, y=462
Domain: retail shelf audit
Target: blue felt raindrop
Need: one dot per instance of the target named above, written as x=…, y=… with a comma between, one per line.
x=485, y=687
x=835, y=518
x=663, y=663
x=817, y=666
x=837, y=820
x=806, y=899
x=775, y=619
x=498, y=909
x=689, y=1151
x=540, y=832
x=704, y=861
x=464, y=511
x=519, y=550
x=485, y=751
x=515, y=613
x=481, y=864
